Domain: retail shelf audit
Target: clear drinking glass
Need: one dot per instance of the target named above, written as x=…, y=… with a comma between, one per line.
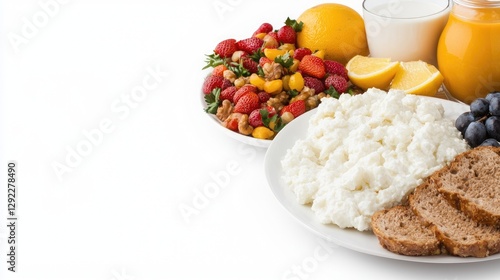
x=405, y=30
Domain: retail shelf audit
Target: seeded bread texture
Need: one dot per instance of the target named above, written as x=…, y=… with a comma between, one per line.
x=471, y=183
x=400, y=231
x=460, y=235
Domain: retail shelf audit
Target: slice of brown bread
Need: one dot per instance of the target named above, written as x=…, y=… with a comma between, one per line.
x=471, y=183
x=460, y=235
x=400, y=231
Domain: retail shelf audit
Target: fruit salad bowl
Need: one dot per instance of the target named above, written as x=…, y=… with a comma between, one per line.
x=255, y=86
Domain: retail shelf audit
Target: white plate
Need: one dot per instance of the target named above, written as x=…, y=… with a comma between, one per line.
x=262, y=143
x=364, y=242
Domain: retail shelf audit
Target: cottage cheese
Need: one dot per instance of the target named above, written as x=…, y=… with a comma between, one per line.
x=367, y=152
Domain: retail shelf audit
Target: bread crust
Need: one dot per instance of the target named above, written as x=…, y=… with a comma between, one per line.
x=458, y=199
x=461, y=225
x=403, y=245
x=456, y=242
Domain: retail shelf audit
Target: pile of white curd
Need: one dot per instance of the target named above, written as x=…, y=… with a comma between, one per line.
x=367, y=152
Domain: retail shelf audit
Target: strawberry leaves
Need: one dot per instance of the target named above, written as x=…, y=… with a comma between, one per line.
x=213, y=101
x=285, y=60
x=297, y=26
x=213, y=60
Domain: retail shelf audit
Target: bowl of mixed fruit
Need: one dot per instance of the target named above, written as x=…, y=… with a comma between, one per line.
x=257, y=85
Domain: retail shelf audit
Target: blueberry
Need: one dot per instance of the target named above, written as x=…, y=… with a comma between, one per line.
x=490, y=95
x=490, y=142
x=480, y=107
x=492, y=125
x=463, y=121
x=475, y=134
x=494, y=107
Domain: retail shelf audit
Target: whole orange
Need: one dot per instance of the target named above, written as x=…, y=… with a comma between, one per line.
x=335, y=28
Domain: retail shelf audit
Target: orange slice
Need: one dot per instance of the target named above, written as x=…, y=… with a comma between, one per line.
x=367, y=72
x=417, y=77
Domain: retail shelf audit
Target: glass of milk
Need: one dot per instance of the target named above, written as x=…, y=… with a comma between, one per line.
x=405, y=30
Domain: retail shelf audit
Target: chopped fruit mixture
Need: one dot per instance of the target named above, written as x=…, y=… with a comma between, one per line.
x=259, y=84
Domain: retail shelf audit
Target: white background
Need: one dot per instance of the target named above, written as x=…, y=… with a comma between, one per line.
x=67, y=71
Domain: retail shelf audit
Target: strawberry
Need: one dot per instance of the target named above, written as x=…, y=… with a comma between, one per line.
x=334, y=67
x=255, y=117
x=232, y=121
x=263, y=60
x=263, y=28
x=212, y=82
x=314, y=83
x=337, y=82
x=242, y=91
x=287, y=35
x=247, y=103
x=313, y=66
x=273, y=34
x=296, y=108
x=250, y=64
x=301, y=52
x=226, y=48
x=228, y=93
x=249, y=45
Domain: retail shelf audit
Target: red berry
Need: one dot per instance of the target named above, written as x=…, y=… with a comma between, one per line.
x=226, y=48
x=301, y=52
x=337, y=68
x=250, y=65
x=225, y=84
x=211, y=82
x=249, y=45
x=273, y=34
x=338, y=82
x=255, y=119
x=242, y=91
x=270, y=109
x=296, y=108
x=247, y=103
x=287, y=35
x=228, y=93
x=263, y=28
x=314, y=83
x=263, y=96
x=232, y=121
x=313, y=66
x=263, y=60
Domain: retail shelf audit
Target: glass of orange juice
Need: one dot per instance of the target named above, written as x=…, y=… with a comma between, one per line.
x=469, y=50
x=405, y=30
